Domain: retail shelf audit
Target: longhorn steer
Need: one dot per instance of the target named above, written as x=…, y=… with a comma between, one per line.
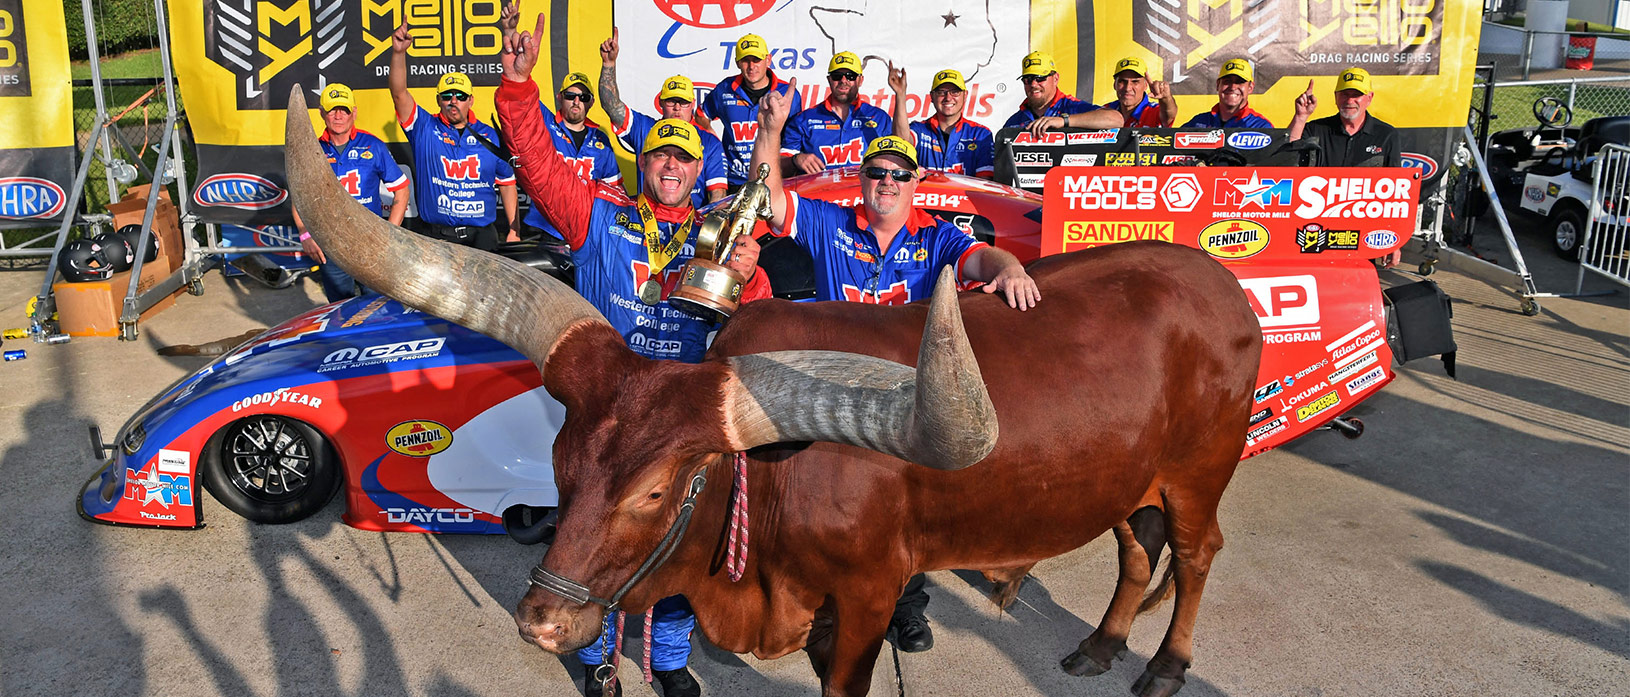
x=1123, y=401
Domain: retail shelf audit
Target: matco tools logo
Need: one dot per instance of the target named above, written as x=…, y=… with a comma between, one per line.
x=1110, y=193
x=238, y=190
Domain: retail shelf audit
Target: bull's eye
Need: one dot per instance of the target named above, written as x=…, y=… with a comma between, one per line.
x=655, y=495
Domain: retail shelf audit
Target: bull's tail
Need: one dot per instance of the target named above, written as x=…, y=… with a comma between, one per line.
x=1163, y=590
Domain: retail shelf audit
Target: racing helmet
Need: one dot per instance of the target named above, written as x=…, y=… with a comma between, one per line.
x=120, y=253
x=132, y=235
x=85, y=260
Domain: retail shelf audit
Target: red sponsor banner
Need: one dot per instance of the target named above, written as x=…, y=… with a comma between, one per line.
x=1299, y=239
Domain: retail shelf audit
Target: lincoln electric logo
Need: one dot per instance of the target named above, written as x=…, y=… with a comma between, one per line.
x=30, y=197
x=238, y=190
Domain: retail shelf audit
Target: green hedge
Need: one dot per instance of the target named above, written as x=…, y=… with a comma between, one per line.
x=122, y=25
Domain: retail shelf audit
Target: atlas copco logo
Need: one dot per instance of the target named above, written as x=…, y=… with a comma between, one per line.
x=239, y=190
x=30, y=197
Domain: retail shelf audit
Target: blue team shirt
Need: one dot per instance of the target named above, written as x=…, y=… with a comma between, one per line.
x=968, y=149
x=1062, y=105
x=850, y=266
x=611, y=265
x=454, y=173
x=713, y=175
x=362, y=164
x=728, y=102
x=838, y=141
x=1145, y=114
x=1246, y=118
x=595, y=160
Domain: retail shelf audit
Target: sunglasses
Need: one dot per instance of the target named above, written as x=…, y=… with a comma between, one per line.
x=453, y=97
x=944, y=92
x=576, y=97
x=842, y=75
x=877, y=174
x=1033, y=78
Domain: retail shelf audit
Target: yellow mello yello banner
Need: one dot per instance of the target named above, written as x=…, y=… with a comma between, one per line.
x=36, y=105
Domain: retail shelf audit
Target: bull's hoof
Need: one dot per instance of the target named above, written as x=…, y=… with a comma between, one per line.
x=1093, y=659
x=1151, y=685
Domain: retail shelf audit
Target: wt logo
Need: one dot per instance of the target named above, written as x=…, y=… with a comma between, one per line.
x=467, y=168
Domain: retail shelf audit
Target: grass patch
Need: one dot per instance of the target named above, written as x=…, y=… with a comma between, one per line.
x=1572, y=25
x=143, y=63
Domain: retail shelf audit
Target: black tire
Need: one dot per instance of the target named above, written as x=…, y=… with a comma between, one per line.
x=530, y=525
x=271, y=469
x=1567, y=228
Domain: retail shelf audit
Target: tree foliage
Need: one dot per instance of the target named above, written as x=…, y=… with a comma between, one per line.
x=121, y=25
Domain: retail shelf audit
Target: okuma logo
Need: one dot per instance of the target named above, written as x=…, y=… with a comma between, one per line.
x=239, y=190
x=30, y=197
x=714, y=14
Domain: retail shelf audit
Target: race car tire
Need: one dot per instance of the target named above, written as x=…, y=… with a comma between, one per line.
x=1567, y=230
x=271, y=469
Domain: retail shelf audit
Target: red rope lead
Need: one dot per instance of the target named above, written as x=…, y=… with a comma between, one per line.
x=736, y=547
x=645, y=654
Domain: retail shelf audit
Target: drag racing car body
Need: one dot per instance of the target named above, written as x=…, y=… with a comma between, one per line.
x=429, y=427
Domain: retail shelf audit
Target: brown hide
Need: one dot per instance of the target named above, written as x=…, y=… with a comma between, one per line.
x=1129, y=385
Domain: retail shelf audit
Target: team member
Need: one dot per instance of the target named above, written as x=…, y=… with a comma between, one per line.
x=944, y=141
x=886, y=252
x=628, y=255
x=735, y=102
x=1351, y=137
x=1235, y=83
x=586, y=148
x=835, y=132
x=1045, y=108
x=455, y=158
x=677, y=101
x=1142, y=102
x=362, y=162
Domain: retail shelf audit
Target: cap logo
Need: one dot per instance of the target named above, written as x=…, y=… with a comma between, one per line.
x=669, y=129
x=1030, y=62
x=1350, y=77
x=674, y=85
x=335, y=93
x=1234, y=65
x=842, y=59
x=888, y=143
x=747, y=43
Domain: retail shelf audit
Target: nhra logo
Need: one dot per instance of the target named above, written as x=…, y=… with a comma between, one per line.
x=238, y=190
x=1249, y=140
x=1426, y=165
x=419, y=438
x=30, y=197
x=1381, y=239
x=714, y=14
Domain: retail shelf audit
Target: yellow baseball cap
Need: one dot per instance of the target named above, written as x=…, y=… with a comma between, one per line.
x=336, y=94
x=951, y=76
x=455, y=82
x=892, y=145
x=677, y=87
x=1038, y=64
x=676, y=133
x=752, y=46
x=1132, y=63
x=573, y=79
x=1238, y=67
x=1355, y=79
x=843, y=61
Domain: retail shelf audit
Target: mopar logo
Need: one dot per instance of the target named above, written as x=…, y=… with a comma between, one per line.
x=237, y=190
x=30, y=197
x=1249, y=140
x=1426, y=165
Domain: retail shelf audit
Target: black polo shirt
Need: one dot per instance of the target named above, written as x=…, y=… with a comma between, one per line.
x=1374, y=145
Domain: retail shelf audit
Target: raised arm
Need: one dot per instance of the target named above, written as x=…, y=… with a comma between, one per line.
x=897, y=82
x=564, y=198
x=1305, y=105
x=610, y=100
x=1162, y=92
x=398, y=77
x=773, y=110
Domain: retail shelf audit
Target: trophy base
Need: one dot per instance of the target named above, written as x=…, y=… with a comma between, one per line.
x=708, y=290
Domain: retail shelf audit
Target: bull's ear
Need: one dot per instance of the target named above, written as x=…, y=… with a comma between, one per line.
x=502, y=298
x=938, y=415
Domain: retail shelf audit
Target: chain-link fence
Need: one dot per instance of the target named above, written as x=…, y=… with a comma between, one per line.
x=1588, y=98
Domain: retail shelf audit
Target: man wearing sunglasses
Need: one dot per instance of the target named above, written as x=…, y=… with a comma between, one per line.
x=456, y=164
x=835, y=132
x=677, y=100
x=944, y=141
x=735, y=102
x=362, y=162
x=1046, y=108
x=1235, y=84
x=584, y=146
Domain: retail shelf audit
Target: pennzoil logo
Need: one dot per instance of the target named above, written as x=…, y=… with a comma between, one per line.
x=239, y=190
x=419, y=438
x=1234, y=239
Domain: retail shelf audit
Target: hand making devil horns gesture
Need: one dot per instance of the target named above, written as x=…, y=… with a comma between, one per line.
x=520, y=53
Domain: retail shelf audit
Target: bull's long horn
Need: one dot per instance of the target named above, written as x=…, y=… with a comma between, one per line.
x=499, y=297
x=938, y=415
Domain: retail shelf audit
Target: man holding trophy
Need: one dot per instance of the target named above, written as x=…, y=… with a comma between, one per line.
x=629, y=254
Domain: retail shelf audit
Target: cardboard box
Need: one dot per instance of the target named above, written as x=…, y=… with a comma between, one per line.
x=166, y=222
x=93, y=308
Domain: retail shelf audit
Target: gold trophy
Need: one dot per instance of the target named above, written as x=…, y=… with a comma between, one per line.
x=707, y=288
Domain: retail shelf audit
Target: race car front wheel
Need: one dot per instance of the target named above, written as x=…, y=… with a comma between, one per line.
x=270, y=469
